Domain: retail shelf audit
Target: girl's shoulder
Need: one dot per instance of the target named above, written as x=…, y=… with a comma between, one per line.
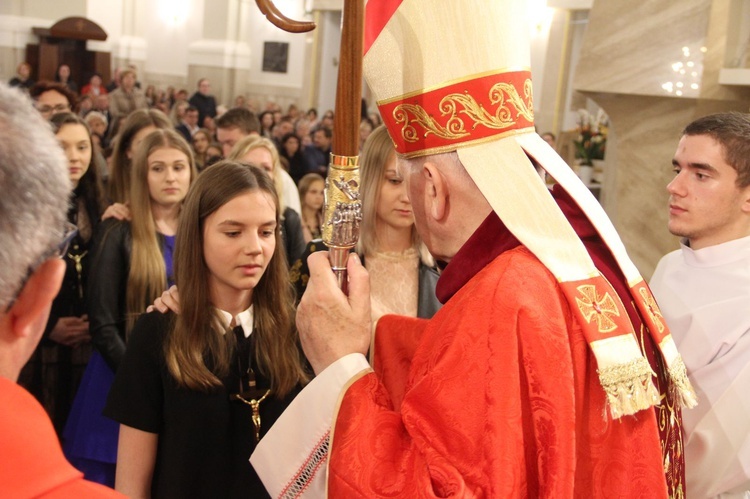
x=150, y=330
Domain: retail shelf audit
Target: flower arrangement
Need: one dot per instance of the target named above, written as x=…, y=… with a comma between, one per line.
x=592, y=136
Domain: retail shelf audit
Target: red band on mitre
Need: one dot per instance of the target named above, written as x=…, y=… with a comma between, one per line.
x=601, y=314
x=471, y=110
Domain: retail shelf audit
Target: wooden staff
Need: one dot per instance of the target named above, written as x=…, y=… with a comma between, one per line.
x=343, y=210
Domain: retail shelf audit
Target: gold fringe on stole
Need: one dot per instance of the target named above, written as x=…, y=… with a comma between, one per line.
x=629, y=387
x=679, y=386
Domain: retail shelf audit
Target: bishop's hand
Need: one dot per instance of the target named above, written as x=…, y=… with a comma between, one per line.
x=330, y=323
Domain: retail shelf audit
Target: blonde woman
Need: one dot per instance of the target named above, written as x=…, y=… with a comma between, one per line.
x=182, y=393
x=402, y=274
x=261, y=152
x=132, y=266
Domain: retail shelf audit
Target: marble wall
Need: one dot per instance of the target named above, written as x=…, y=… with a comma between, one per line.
x=645, y=64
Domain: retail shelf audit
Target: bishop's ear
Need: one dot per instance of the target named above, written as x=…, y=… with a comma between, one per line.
x=30, y=311
x=436, y=190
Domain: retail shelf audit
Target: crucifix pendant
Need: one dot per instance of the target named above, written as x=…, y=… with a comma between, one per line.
x=79, y=270
x=252, y=397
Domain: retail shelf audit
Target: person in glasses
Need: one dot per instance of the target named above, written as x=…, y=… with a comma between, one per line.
x=197, y=390
x=35, y=184
x=54, y=372
x=51, y=98
x=132, y=264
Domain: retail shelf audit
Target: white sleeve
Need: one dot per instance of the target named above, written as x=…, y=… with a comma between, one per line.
x=291, y=459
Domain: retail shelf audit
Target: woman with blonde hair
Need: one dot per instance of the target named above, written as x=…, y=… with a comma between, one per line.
x=261, y=152
x=132, y=266
x=135, y=128
x=198, y=389
x=402, y=273
x=177, y=113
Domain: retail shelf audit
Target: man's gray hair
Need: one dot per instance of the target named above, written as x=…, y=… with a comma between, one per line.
x=34, y=190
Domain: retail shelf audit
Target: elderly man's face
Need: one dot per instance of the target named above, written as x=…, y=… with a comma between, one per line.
x=204, y=87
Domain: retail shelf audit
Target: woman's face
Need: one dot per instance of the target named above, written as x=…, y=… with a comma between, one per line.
x=137, y=139
x=51, y=102
x=260, y=156
x=168, y=176
x=200, y=143
x=394, y=209
x=314, y=196
x=239, y=240
x=291, y=146
x=75, y=141
x=365, y=129
x=98, y=126
x=267, y=120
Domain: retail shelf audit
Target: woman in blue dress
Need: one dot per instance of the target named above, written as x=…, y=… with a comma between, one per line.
x=132, y=265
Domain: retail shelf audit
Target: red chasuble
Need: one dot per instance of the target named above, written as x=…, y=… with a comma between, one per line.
x=496, y=396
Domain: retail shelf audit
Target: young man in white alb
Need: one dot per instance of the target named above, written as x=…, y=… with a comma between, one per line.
x=703, y=290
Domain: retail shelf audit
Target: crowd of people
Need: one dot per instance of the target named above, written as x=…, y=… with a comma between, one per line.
x=132, y=162
x=495, y=339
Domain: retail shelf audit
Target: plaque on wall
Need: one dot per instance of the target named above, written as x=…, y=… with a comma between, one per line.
x=275, y=57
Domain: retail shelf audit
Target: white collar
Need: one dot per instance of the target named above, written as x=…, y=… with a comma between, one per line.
x=244, y=319
x=718, y=254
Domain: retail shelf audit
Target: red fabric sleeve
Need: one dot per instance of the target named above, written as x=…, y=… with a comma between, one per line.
x=501, y=400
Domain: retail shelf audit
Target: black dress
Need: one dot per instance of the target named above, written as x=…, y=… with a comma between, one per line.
x=205, y=440
x=54, y=371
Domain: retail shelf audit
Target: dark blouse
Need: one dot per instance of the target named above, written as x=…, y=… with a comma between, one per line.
x=205, y=440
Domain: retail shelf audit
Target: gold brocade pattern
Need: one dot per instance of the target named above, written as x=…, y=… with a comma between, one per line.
x=597, y=309
x=669, y=421
x=653, y=309
x=504, y=95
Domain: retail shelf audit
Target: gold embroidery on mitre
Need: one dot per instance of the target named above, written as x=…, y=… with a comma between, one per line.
x=600, y=310
x=653, y=309
x=502, y=94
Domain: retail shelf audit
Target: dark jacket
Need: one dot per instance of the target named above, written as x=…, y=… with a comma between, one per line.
x=206, y=105
x=292, y=236
x=107, y=287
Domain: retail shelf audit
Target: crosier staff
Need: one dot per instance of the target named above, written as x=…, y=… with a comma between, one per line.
x=343, y=210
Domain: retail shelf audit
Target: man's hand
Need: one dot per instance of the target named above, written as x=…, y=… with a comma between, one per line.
x=169, y=300
x=71, y=331
x=332, y=325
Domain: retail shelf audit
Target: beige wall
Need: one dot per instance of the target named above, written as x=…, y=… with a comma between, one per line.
x=626, y=59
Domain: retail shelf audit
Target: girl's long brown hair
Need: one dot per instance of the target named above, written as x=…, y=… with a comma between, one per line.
x=198, y=350
x=119, y=178
x=147, y=277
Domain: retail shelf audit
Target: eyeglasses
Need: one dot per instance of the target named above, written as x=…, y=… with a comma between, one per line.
x=53, y=109
x=69, y=233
